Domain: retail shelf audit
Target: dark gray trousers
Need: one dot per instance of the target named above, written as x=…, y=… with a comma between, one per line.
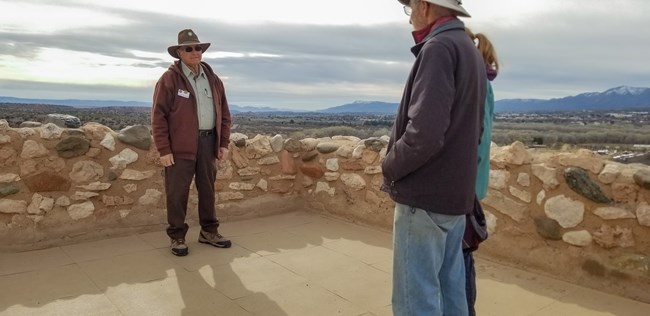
x=178, y=178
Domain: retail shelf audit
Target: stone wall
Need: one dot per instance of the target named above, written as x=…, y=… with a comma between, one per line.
x=62, y=185
x=574, y=216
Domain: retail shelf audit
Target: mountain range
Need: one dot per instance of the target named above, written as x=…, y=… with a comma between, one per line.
x=364, y=107
x=73, y=102
x=619, y=98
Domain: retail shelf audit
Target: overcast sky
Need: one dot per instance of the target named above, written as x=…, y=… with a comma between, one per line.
x=310, y=54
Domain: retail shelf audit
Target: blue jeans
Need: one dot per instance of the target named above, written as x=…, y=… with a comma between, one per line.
x=470, y=282
x=428, y=267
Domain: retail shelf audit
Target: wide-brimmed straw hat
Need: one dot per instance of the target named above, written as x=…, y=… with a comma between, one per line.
x=186, y=37
x=455, y=5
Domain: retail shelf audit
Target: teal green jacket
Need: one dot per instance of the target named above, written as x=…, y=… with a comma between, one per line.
x=483, y=172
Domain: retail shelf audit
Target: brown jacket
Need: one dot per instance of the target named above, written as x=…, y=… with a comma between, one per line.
x=432, y=155
x=174, y=118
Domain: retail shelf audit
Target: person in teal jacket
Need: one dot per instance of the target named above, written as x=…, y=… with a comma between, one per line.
x=483, y=173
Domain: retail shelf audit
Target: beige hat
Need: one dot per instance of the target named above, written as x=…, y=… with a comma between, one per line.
x=455, y=5
x=186, y=37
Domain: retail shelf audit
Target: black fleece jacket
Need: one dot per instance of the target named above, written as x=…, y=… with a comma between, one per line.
x=432, y=158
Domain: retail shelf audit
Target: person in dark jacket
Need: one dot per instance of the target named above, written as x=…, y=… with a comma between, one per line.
x=430, y=166
x=190, y=121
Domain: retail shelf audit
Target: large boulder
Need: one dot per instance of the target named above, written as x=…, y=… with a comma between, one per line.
x=578, y=180
x=72, y=147
x=138, y=136
x=63, y=120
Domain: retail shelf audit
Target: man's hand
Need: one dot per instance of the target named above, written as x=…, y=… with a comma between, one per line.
x=167, y=160
x=223, y=153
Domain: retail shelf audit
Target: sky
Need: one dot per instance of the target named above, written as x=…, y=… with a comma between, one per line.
x=310, y=55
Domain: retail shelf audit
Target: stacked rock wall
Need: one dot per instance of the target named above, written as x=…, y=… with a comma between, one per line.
x=574, y=216
x=60, y=185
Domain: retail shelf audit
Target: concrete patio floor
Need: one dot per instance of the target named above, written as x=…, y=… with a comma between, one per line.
x=289, y=264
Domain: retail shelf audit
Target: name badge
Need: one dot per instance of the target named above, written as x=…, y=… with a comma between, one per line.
x=183, y=93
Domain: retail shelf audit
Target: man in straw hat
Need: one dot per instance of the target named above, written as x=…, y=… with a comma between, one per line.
x=430, y=167
x=190, y=121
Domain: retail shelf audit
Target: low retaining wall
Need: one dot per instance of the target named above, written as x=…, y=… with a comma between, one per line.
x=574, y=216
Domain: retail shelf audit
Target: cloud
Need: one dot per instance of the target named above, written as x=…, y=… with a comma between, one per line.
x=271, y=63
x=582, y=46
x=562, y=50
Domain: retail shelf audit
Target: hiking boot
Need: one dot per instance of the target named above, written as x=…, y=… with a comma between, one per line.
x=178, y=247
x=214, y=239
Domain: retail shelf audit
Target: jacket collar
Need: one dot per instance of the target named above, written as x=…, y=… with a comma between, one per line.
x=421, y=34
x=437, y=29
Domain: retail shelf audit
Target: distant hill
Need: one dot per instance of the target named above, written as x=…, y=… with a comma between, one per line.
x=619, y=98
x=74, y=102
x=243, y=109
x=354, y=107
x=115, y=104
x=364, y=107
x=54, y=108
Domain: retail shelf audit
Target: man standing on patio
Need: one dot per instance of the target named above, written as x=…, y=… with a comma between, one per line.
x=190, y=120
x=430, y=167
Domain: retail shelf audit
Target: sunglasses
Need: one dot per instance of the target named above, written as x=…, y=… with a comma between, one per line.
x=189, y=49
